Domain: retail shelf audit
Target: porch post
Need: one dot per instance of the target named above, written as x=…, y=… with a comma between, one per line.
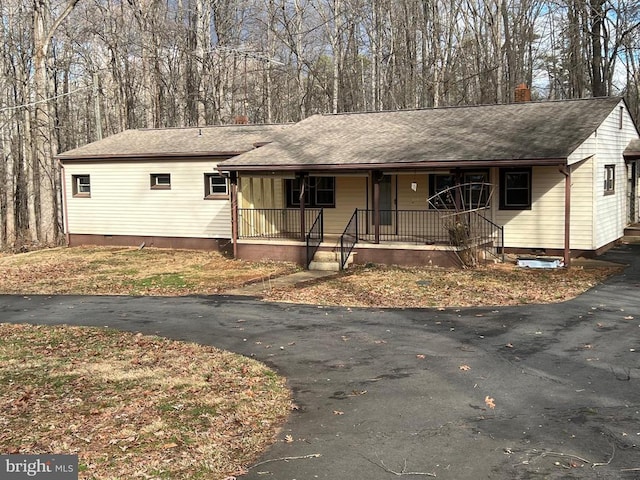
x=566, y=171
x=234, y=212
x=303, y=197
x=457, y=175
x=376, y=177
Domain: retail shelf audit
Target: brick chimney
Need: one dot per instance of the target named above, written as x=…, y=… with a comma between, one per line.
x=522, y=93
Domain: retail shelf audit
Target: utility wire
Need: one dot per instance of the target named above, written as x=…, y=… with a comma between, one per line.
x=33, y=104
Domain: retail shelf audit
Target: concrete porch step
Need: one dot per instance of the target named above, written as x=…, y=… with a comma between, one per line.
x=325, y=260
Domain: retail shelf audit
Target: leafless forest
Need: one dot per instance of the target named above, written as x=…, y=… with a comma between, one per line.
x=74, y=71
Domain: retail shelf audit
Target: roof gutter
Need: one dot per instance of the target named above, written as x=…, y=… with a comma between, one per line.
x=393, y=166
x=148, y=156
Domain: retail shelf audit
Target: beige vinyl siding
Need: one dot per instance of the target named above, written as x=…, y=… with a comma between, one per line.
x=407, y=198
x=543, y=225
x=261, y=192
x=351, y=193
x=122, y=202
x=581, y=205
x=610, y=213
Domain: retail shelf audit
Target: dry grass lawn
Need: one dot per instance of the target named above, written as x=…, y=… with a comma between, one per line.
x=133, y=406
x=129, y=271
x=495, y=285
x=182, y=411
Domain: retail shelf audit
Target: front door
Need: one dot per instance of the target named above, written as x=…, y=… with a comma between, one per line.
x=386, y=201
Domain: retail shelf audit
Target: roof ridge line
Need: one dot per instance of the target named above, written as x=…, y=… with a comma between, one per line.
x=481, y=105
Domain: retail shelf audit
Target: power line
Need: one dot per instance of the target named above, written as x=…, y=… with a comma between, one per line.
x=33, y=104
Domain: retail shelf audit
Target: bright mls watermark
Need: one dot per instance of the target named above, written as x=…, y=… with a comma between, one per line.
x=49, y=467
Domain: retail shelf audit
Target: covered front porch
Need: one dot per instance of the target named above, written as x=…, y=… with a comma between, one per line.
x=377, y=218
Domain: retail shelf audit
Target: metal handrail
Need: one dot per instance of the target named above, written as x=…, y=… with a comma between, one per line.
x=348, y=239
x=499, y=229
x=314, y=237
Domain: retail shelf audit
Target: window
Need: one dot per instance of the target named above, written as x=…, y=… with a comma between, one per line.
x=476, y=190
x=161, y=181
x=81, y=186
x=215, y=186
x=515, y=189
x=475, y=193
x=609, y=179
x=439, y=183
x=319, y=192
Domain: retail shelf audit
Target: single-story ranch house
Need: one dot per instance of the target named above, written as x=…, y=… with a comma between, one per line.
x=407, y=187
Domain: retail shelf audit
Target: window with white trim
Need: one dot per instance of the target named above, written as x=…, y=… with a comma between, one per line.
x=160, y=181
x=215, y=186
x=81, y=185
x=609, y=179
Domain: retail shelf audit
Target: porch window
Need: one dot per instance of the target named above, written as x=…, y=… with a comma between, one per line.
x=474, y=193
x=439, y=183
x=215, y=186
x=160, y=181
x=319, y=192
x=81, y=185
x=515, y=189
x=609, y=179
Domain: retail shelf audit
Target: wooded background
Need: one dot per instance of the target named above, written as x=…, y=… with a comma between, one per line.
x=74, y=71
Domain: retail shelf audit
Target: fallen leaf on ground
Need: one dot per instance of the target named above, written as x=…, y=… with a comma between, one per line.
x=355, y=393
x=490, y=402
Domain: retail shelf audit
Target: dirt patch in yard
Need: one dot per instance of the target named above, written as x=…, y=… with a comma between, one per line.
x=130, y=271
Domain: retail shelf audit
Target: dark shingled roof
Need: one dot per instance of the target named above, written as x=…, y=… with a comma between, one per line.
x=532, y=132
x=226, y=140
x=632, y=152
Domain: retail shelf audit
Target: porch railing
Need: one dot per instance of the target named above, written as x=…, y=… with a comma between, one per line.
x=274, y=223
x=314, y=237
x=424, y=227
x=348, y=239
x=491, y=233
x=418, y=227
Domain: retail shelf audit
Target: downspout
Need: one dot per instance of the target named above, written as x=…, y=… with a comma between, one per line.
x=234, y=212
x=65, y=217
x=566, y=171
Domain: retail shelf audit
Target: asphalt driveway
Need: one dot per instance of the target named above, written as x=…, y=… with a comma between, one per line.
x=388, y=393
